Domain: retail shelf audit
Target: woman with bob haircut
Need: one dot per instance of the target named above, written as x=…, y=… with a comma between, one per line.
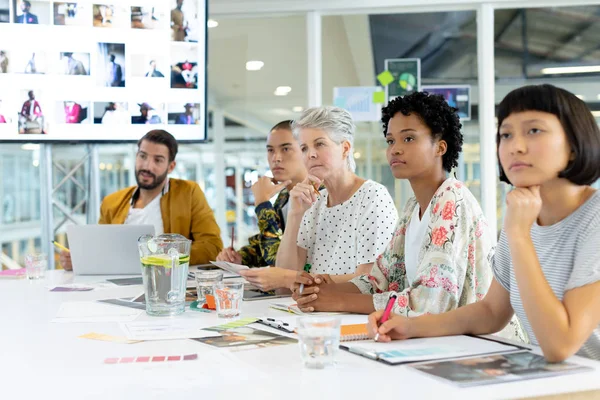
x=547, y=262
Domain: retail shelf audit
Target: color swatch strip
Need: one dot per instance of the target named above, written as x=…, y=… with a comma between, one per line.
x=146, y=359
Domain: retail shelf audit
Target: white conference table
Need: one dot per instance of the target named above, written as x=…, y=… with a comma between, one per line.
x=40, y=359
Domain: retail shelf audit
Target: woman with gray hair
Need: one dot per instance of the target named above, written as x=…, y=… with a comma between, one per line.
x=342, y=229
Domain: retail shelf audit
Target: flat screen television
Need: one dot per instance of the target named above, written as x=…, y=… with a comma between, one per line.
x=93, y=71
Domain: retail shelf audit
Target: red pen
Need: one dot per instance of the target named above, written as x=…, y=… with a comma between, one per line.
x=386, y=312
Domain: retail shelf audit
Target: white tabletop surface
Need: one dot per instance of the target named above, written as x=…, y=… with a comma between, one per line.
x=40, y=360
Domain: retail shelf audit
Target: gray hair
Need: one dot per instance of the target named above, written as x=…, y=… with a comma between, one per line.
x=335, y=121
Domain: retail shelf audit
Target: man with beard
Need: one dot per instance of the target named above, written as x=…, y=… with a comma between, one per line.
x=171, y=205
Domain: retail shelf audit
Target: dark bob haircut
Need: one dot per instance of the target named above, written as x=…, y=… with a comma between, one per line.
x=576, y=119
x=161, y=136
x=439, y=117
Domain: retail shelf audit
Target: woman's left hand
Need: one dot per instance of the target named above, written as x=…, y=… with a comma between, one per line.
x=269, y=278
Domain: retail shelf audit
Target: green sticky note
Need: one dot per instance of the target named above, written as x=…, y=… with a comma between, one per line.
x=378, y=97
x=385, y=78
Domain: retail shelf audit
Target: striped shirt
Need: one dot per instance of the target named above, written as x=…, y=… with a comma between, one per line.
x=569, y=254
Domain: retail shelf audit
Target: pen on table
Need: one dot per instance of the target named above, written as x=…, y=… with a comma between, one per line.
x=232, y=236
x=386, y=313
x=306, y=269
x=60, y=246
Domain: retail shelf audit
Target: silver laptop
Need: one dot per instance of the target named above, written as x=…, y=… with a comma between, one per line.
x=106, y=249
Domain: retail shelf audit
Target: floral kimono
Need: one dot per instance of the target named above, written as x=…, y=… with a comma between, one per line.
x=454, y=260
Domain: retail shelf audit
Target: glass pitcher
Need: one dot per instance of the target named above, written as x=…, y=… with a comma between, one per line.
x=165, y=261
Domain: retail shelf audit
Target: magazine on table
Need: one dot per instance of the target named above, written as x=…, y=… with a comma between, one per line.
x=497, y=368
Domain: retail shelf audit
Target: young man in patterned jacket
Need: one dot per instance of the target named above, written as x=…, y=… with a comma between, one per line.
x=285, y=161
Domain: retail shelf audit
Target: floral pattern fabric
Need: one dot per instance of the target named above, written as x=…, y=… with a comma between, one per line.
x=454, y=260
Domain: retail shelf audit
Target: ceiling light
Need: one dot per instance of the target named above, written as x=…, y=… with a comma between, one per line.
x=599, y=97
x=282, y=90
x=36, y=163
x=581, y=69
x=298, y=109
x=211, y=23
x=580, y=96
x=102, y=166
x=30, y=146
x=254, y=65
x=357, y=155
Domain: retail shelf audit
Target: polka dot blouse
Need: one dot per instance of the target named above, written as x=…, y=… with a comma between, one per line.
x=338, y=239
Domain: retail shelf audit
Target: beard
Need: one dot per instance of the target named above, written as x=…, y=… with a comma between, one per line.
x=156, y=180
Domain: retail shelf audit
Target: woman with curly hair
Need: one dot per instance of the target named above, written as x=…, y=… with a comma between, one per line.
x=439, y=257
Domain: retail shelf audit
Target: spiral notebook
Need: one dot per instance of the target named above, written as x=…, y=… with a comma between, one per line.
x=347, y=332
x=353, y=332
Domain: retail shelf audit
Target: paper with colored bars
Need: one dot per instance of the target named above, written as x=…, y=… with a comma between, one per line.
x=230, y=267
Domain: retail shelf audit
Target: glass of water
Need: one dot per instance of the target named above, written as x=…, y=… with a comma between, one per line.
x=205, y=281
x=228, y=296
x=319, y=339
x=165, y=261
x=35, y=266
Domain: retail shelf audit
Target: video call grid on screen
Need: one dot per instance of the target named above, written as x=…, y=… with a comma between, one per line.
x=102, y=71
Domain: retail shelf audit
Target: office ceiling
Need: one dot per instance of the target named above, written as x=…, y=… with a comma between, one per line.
x=355, y=46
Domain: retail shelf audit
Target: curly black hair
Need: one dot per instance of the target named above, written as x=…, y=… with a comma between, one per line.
x=435, y=112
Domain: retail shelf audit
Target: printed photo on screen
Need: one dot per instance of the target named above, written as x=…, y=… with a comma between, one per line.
x=28, y=62
x=72, y=112
x=111, y=113
x=111, y=16
x=4, y=11
x=5, y=117
x=184, y=66
x=31, y=116
x=72, y=14
x=185, y=26
x=183, y=114
x=149, y=66
x=147, y=18
x=31, y=12
x=4, y=61
x=75, y=63
x=111, y=65
x=147, y=114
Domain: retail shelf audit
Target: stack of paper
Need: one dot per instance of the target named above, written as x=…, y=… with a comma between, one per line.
x=230, y=267
x=80, y=287
x=291, y=307
x=167, y=329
